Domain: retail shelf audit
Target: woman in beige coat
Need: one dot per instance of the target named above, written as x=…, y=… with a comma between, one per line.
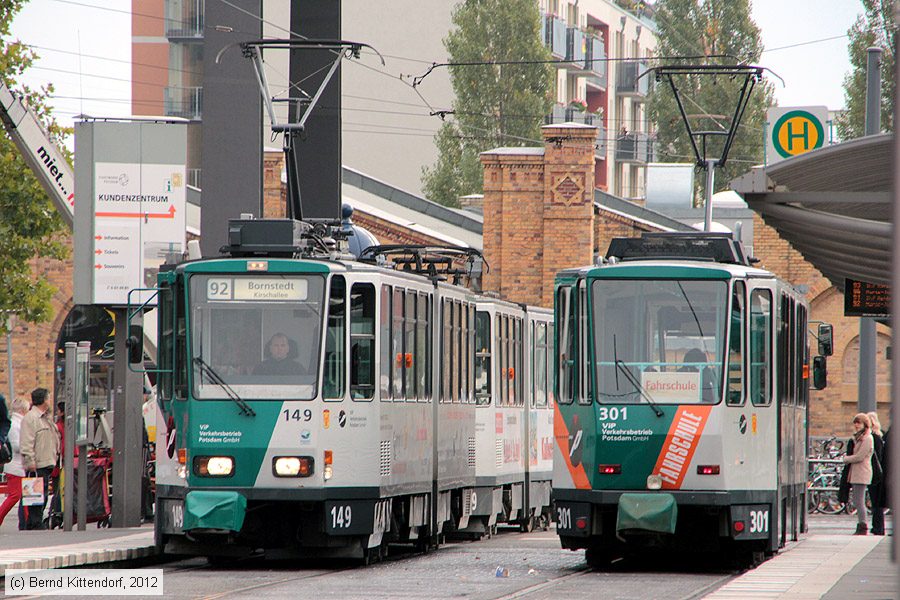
x=860, y=462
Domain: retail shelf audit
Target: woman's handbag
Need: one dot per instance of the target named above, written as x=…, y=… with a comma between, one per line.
x=877, y=471
x=844, y=487
x=5, y=452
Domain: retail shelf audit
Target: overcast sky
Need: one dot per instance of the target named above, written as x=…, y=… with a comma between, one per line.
x=61, y=30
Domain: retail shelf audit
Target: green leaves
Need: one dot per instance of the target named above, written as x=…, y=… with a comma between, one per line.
x=874, y=28
x=30, y=227
x=495, y=105
x=708, y=27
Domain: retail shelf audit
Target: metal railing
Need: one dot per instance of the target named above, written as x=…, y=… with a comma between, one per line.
x=184, y=18
x=185, y=102
x=629, y=80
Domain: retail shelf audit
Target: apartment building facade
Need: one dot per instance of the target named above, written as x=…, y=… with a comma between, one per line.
x=387, y=128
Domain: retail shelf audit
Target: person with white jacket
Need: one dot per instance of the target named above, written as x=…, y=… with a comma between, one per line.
x=14, y=470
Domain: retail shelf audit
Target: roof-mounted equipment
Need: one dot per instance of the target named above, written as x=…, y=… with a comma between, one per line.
x=713, y=247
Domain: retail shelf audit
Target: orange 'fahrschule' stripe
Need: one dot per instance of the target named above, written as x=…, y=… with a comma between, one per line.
x=681, y=443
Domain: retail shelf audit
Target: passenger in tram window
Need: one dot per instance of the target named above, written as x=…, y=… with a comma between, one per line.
x=280, y=355
x=698, y=356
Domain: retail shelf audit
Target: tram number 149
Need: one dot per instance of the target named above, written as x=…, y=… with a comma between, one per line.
x=341, y=517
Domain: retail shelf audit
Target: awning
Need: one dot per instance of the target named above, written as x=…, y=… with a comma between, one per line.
x=833, y=205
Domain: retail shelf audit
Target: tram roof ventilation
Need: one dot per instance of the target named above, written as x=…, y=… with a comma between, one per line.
x=713, y=247
x=277, y=238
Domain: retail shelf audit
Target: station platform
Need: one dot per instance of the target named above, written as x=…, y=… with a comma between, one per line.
x=58, y=549
x=829, y=562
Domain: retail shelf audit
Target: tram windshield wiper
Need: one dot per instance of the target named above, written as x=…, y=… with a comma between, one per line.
x=217, y=379
x=620, y=366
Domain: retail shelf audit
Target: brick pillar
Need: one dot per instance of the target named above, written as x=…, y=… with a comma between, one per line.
x=538, y=212
x=568, y=201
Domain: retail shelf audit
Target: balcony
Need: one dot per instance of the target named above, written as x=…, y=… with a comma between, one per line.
x=556, y=37
x=575, y=46
x=595, y=69
x=635, y=148
x=184, y=20
x=629, y=81
x=184, y=102
x=563, y=114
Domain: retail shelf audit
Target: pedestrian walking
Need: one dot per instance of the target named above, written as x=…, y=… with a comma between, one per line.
x=40, y=451
x=860, y=465
x=879, y=484
x=13, y=469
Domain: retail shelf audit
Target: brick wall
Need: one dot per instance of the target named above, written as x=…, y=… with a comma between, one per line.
x=538, y=213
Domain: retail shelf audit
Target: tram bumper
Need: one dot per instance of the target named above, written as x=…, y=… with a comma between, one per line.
x=214, y=511
x=647, y=513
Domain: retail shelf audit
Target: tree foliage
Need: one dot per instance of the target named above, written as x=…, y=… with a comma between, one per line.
x=709, y=28
x=495, y=105
x=875, y=27
x=30, y=226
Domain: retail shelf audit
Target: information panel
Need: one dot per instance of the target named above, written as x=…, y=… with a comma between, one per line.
x=863, y=299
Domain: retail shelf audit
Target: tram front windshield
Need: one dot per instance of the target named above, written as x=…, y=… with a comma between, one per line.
x=260, y=335
x=659, y=341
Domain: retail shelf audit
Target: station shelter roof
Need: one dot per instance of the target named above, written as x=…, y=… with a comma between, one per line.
x=834, y=205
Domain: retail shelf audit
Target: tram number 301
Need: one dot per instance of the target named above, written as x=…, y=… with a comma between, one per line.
x=759, y=521
x=341, y=517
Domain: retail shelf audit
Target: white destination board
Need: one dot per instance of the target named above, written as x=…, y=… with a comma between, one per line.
x=256, y=288
x=682, y=387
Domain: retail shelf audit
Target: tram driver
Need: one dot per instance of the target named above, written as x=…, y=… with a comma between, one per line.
x=281, y=353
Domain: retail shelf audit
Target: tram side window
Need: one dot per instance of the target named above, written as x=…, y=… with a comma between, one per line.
x=482, y=358
x=410, y=352
x=421, y=358
x=551, y=389
x=504, y=360
x=736, y=346
x=519, y=375
x=471, y=344
x=584, y=394
x=362, y=341
x=539, y=398
x=172, y=345
x=464, y=355
x=802, y=352
x=445, y=351
x=565, y=347
x=760, y=347
x=397, y=358
x=386, y=342
x=335, y=341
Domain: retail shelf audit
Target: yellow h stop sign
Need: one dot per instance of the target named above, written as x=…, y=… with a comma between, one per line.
x=796, y=132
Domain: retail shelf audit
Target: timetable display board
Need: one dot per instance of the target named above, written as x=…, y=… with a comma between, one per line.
x=864, y=299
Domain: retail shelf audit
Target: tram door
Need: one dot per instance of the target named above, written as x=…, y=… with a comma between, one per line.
x=792, y=415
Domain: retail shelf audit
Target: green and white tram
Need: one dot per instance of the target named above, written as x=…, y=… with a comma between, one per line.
x=682, y=387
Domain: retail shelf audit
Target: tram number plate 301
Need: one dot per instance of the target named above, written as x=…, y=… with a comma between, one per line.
x=756, y=519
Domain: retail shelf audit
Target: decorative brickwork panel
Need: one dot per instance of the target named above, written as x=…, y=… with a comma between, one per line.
x=568, y=188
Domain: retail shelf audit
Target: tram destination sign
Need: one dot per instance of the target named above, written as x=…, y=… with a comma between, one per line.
x=863, y=299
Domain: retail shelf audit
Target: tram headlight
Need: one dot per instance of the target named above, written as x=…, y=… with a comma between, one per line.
x=213, y=466
x=182, y=471
x=292, y=466
x=654, y=482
